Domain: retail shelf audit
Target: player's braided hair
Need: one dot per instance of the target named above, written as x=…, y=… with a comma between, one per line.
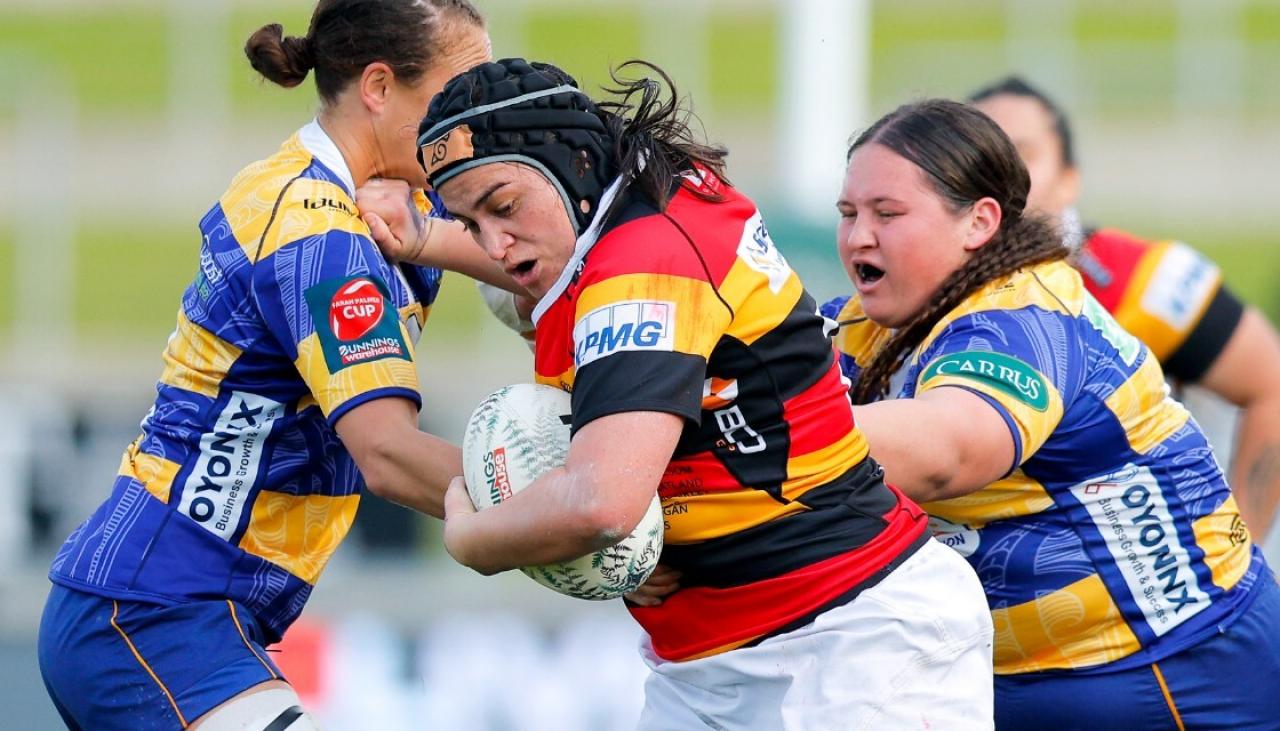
x=965, y=157
x=347, y=35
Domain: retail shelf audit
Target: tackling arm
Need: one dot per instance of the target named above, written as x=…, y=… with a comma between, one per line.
x=403, y=234
x=399, y=462
x=941, y=444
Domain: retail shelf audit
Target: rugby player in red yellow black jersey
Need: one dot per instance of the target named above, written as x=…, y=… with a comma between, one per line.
x=699, y=369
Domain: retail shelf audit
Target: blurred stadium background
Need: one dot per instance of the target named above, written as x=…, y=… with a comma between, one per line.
x=121, y=121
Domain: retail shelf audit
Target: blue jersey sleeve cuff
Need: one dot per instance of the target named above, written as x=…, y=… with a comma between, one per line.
x=1008, y=421
x=377, y=393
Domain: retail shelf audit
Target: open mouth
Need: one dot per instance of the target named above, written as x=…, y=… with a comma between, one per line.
x=523, y=268
x=867, y=273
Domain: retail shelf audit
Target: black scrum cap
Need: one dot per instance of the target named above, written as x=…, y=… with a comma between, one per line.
x=516, y=111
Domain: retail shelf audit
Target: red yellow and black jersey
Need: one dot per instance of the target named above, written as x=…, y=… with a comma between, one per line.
x=1113, y=541
x=238, y=487
x=774, y=512
x=1166, y=294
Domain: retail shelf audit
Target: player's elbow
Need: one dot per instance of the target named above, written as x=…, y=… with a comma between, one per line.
x=607, y=517
x=379, y=468
x=929, y=485
x=946, y=474
x=379, y=481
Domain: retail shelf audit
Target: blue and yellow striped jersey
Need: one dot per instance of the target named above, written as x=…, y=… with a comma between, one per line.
x=1113, y=539
x=238, y=486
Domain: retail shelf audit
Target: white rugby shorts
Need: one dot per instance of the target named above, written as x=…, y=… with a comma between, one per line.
x=912, y=652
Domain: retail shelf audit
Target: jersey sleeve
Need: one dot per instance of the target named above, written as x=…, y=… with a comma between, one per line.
x=1173, y=289
x=320, y=287
x=1207, y=338
x=643, y=332
x=1015, y=361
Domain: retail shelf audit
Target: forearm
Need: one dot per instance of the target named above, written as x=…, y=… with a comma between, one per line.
x=399, y=462
x=450, y=247
x=404, y=234
x=1255, y=472
x=416, y=471
x=557, y=518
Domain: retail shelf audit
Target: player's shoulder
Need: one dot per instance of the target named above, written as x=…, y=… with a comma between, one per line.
x=1053, y=287
x=856, y=336
x=1117, y=249
x=286, y=197
x=1018, y=313
x=639, y=240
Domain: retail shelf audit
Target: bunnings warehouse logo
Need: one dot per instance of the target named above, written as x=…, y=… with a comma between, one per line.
x=1006, y=374
x=495, y=475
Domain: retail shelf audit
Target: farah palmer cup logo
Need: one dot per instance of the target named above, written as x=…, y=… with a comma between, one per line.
x=355, y=310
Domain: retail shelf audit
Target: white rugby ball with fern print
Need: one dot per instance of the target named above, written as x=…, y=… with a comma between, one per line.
x=513, y=437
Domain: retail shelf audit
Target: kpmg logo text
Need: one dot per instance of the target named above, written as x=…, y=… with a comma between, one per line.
x=623, y=326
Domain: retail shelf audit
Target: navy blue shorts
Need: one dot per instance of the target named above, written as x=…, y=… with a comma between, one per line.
x=1229, y=681
x=121, y=664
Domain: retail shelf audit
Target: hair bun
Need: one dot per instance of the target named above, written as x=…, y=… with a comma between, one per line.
x=284, y=61
x=299, y=50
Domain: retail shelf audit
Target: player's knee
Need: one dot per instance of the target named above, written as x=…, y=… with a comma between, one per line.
x=275, y=709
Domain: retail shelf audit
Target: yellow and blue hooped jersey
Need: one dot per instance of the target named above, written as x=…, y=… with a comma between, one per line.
x=1113, y=539
x=238, y=486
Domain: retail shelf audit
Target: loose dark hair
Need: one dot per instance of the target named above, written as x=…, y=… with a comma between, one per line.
x=1016, y=86
x=965, y=157
x=347, y=35
x=653, y=133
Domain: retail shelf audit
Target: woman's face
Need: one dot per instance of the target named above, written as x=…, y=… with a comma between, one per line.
x=1055, y=186
x=518, y=218
x=407, y=103
x=898, y=239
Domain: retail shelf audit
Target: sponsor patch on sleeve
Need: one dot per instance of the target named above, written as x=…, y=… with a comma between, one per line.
x=626, y=325
x=995, y=370
x=1180, y=287
x=355, y=322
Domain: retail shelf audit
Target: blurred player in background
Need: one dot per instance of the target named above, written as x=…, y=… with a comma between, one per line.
x=1165, y=293
x=289, y=386
x=1125, y=591
x=699, y=369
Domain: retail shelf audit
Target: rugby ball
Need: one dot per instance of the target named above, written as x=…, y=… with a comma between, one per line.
x=513, y=437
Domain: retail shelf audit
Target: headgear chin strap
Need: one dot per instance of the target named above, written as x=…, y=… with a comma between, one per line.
x=515, y=111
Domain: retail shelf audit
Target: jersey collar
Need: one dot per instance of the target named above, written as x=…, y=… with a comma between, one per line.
x=580, y=248
x=321, y=146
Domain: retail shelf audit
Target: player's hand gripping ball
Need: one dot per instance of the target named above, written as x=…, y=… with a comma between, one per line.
x=514, y=436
